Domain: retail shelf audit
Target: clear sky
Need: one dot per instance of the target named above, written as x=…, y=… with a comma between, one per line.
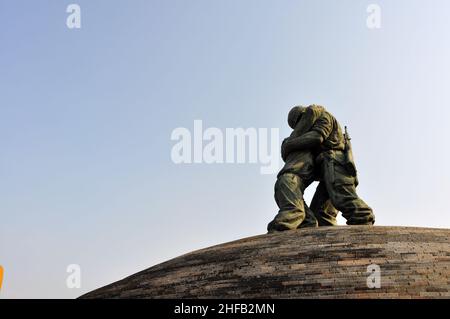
x=86, y=116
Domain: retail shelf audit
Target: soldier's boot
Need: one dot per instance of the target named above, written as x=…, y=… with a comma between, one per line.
x=289, y=198
x=342, y=191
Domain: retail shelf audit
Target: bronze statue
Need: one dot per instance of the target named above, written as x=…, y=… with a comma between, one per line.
x=317, y=150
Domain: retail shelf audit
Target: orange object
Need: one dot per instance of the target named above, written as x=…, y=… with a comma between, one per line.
x=1, y=276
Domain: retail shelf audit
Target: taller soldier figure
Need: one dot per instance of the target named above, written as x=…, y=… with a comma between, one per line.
x=337, y=169
x=296, y=175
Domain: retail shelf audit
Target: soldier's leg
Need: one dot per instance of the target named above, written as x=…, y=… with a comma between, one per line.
x=289, y=198
x=342, y=191
x=322, y=207
x=310, y=219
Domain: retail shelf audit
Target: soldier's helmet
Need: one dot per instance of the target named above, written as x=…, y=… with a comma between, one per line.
x=295, y=114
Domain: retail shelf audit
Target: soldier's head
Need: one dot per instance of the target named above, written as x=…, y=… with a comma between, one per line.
x=295, y=114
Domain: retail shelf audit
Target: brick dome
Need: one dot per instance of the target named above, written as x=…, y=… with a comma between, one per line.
x=327, y=262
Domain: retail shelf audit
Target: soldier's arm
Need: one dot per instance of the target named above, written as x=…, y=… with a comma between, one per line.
x=306, y=141
x=312, y=113
x=319, y=132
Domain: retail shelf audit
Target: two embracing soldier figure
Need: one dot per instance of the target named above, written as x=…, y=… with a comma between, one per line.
x=317, y=150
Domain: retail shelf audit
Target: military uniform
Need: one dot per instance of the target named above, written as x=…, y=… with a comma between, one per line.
x=296, y=175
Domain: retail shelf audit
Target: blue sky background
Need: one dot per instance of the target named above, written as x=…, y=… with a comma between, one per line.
x=86, y=117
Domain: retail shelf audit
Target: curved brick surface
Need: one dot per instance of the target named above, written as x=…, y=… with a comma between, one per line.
x=328, y=262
